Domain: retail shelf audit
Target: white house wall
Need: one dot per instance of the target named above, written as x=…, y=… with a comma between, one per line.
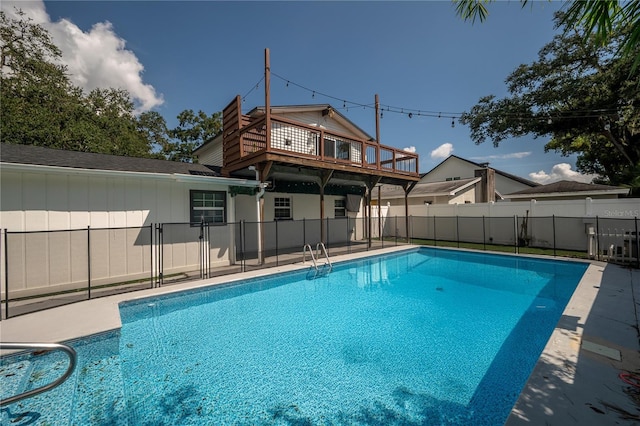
x=53, y=201
x=451, y=168
x=69, y=203
x=315, y=118
x=456, y=168
x=505, y=185
x=211, y=154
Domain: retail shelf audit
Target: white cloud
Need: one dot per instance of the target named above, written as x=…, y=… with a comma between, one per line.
x=516, y=155
x=94, y=59
x=443, y=151
x=559, y=172
x=410, y=149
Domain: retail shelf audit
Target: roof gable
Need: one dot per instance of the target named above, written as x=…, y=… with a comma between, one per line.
x=481, y=166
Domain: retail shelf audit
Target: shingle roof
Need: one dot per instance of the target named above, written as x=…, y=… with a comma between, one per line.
x=566, y=186
x=426, y=189
x=29, y=154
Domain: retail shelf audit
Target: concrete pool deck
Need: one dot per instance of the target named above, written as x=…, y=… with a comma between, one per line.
x=576, y=380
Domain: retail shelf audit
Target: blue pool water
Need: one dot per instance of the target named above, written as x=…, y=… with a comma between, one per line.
x=424, y=337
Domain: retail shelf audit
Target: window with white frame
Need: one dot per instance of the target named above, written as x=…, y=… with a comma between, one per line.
x=339, y=208
x=282, y=208
x=208, y=206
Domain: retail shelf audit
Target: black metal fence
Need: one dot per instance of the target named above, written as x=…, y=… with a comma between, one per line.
x=45, y=269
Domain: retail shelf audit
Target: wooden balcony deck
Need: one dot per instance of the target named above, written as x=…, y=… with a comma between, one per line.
x=245, y=143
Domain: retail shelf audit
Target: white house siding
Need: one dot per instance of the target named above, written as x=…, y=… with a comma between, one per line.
x=211, y=154
x=315, y=118
x=68, y=202
x=451, y=168
x=455, y=167
x=505, y=185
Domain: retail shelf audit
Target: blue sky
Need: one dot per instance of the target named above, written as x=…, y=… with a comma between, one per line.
x=173, y=56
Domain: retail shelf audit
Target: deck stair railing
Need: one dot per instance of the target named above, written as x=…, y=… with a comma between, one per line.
x=320, y=250
x=73, y=358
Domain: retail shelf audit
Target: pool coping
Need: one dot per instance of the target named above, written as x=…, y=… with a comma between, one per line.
x=570, y=384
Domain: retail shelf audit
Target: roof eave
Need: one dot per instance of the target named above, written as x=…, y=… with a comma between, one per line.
x=179, y=177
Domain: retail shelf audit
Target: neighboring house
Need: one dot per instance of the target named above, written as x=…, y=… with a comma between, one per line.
x=455, y=168
x=448, y=192
x=457, y=181
x=568, y=190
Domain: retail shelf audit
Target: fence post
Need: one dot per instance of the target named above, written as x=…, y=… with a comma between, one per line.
x=276, y=242
x=396, y=232
x=554, y=234
x=89, y=261
x=6, y=275
x=637, y=243
x=328, y=243
x=484, y=235
x=348, y=236
x=151, y=255
x=410, y=228
x=457, y=231
x=435, y=240
x=515, y=234
x=598, y=237
x=242, y=245
x=304, y=232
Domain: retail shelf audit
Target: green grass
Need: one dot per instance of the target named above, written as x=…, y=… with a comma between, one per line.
x=503, y=248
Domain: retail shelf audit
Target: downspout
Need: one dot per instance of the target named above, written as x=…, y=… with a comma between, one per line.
x=259, y=195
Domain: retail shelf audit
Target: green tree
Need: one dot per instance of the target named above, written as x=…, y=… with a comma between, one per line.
x=40, y=106
x=193, y=130
x=35, y=92
x=580, y=95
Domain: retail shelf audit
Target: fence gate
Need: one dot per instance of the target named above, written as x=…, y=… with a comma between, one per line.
x=181, y=252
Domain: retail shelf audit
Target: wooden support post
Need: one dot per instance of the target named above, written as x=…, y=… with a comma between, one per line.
x=267, y=98
x=408, y=187
x=324, y=179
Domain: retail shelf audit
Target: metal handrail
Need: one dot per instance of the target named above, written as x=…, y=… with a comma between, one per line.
x=73, y=357
x=319, y=246
x=304, y=251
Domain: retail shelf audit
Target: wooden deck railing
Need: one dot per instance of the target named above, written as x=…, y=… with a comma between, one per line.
x=246, y=136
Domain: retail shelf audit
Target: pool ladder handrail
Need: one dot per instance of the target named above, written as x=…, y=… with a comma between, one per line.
x=320, y=246
x=73, y=360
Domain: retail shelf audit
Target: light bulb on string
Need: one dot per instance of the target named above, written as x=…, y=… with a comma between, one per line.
x=453, y=122
x=313, y=95
x=287, y=83
x=607, y=127
x=410, y=115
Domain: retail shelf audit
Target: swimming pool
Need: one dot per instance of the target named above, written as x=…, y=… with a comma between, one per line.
x=428, y=336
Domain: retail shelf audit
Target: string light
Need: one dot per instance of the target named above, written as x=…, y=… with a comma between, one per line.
x=410, y=112
x=453, y=122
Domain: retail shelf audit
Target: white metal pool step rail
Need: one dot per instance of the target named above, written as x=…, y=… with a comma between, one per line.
x=320, y=246
x=73, y=359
